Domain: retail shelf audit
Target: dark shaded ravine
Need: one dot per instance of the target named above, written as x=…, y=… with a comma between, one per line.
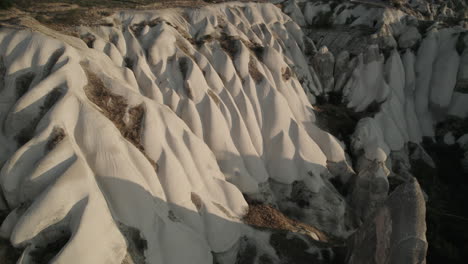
x=447, y=208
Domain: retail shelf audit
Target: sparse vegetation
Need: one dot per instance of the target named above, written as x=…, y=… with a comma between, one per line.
x=136, y=245
x=115, y=108
x=256, y=49
x=287, y=73
x=229, y=44
x=58, y=134
x=65, y=15
x=254, y=72
x=196, y=200
x=266, y=217
x=335, y=117
x=4, y=4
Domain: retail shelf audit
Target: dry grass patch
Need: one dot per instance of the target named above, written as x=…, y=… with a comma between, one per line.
x=254, y=72
x=229, y=44
x=336, y=118
x=116, y=109
x=266, y=217
x=255, y=48
x=58, y=134
x=196, y=200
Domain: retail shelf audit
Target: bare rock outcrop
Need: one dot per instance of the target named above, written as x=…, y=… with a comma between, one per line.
x=396, y=234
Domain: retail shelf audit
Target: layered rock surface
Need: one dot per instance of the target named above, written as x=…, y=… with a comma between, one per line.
x=155, y=132
x=396, y=233
x=142, y=141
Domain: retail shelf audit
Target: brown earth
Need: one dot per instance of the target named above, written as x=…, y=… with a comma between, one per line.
x=65, y=15
x=266, y=217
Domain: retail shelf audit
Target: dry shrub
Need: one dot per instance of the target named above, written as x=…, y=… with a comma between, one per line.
x=196, y=200
x=57, y=135
x=266, y=217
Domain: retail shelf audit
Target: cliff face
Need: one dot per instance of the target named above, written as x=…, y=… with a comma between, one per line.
x=230, y=133
x=420, y=57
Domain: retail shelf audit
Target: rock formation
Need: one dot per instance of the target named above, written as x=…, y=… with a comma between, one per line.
x=396, y=233
x=167, y=136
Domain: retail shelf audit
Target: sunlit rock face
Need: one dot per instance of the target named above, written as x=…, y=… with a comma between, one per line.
x=150, y=138
x=397, y=232
x=141, y=144
x=404, y=73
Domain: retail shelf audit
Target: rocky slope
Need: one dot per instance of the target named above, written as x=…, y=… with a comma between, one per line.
x=230, y=133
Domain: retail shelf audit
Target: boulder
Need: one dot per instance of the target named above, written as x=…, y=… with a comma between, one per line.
x=396, y=233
